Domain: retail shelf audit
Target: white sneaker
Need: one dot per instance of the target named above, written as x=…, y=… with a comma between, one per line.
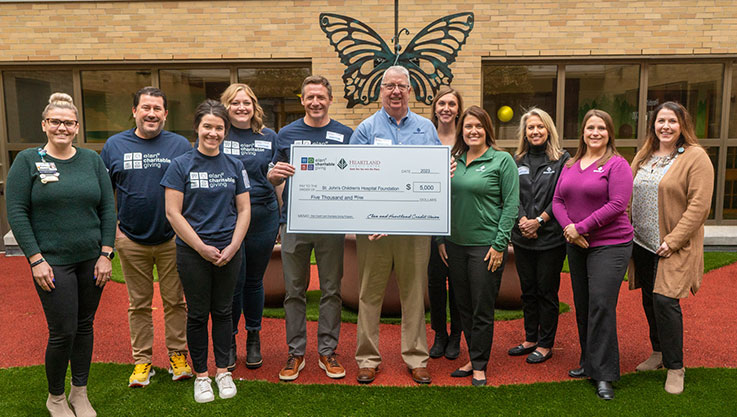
x=226, y=386
x=203, y=390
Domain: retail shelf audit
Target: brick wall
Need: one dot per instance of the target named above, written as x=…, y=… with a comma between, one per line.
x=264, y=30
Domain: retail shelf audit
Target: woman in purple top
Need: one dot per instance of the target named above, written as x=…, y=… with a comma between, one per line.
x=590, y=202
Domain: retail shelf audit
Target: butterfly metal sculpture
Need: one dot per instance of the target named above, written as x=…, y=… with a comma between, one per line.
x=427, y=57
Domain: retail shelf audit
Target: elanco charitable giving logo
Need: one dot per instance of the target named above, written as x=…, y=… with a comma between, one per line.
x=308, y=163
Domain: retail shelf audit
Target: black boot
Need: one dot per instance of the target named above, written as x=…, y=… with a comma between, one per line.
x=232, y=356
x=253, y=350
x=438, y=347
x=453, y=348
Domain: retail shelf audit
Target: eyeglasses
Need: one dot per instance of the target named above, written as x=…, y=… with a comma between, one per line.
x=55, y=123
x=402, y=87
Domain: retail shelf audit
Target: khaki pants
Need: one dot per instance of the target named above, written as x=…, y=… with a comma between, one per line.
x=409, y=256
x=137, y=262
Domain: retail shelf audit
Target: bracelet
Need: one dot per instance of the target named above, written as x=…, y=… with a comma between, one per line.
x=38, y=262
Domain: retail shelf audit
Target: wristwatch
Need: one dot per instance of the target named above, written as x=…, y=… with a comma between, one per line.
x=540, y=220
x=109, y=255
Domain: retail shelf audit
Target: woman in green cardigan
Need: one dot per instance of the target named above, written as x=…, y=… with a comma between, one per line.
x=62, y=213
x=485, y=200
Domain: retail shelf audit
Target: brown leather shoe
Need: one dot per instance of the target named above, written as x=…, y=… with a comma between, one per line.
x=366, y=375
x=290, y=372
x=331, y=366
x=421, y=376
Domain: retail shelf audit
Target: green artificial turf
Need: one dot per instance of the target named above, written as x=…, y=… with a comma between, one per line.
x=709, y=392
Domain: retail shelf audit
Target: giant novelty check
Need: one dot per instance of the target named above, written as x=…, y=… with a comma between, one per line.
x=363, y=189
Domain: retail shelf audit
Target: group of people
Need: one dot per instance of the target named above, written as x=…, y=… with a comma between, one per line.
x=207, y=219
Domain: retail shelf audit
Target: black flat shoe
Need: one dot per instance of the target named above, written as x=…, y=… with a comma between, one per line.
x=460, y=373
x=577, y=373
x=521, y=350
x=478, y=382
x=537, y=357
x=605, y=390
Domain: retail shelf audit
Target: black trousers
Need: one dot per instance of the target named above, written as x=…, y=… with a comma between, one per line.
x=539, y=277
x=70, y=312
x=437, y=280
x=664, y=315
x=209, y=292
x=476, y=289
x=596, y=277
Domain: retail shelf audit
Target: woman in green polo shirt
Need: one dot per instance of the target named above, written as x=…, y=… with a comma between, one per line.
x=485, y=199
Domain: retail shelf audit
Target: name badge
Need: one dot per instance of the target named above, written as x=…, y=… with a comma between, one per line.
x=46, y=167
x=47, y=171
x=262, y=144
x=382, y=141
x=523, y=170
x=334, y=136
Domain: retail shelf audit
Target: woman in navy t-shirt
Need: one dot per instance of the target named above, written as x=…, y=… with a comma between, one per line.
x=253, y=144
x=207, y=204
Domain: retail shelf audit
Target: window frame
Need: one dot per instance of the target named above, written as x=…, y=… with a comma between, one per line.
x=722, y=141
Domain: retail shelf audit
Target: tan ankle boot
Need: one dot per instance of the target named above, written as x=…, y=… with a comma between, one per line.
x=79, y=402
x=58, y=407
x=655, y=361
x=674, y=381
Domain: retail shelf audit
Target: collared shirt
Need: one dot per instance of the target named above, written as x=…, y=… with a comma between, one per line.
x=485, y=200
x=381, y=129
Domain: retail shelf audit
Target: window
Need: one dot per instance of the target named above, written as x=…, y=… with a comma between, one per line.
x=733, y=104
x=730, y=185
x=698, y=87
x=278, y=91
x=185, y=89
x=612, y=88
x=26, y=95
x=519, y=87
x=108, y=101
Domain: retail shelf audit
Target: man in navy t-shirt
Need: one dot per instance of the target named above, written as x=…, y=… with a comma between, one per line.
x=137, y=160
x=315, y=128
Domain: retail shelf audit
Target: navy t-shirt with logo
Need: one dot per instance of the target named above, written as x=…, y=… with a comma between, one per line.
x=300, y=133
x=255, y=151
x=210, y=185
x=136, y=166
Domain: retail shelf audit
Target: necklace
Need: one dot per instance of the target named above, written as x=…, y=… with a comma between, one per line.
x=662, y=161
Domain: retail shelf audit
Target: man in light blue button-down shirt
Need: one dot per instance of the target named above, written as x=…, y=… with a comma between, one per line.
x=394, y=124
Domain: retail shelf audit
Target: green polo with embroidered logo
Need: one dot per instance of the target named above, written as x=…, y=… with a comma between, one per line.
x=484, y=200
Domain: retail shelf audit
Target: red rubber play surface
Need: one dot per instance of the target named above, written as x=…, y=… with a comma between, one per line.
x=707, y=315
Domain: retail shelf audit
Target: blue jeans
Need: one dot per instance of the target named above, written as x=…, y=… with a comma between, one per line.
x=257, y=247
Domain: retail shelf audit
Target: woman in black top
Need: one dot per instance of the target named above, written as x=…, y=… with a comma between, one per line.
x=447, y=108
x=537, y=238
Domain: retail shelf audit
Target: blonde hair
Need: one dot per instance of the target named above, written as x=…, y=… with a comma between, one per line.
x=553, y=148
x=257, y=120
x=60, y=101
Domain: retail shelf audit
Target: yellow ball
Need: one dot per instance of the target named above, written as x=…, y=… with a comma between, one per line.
x=505, y=113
